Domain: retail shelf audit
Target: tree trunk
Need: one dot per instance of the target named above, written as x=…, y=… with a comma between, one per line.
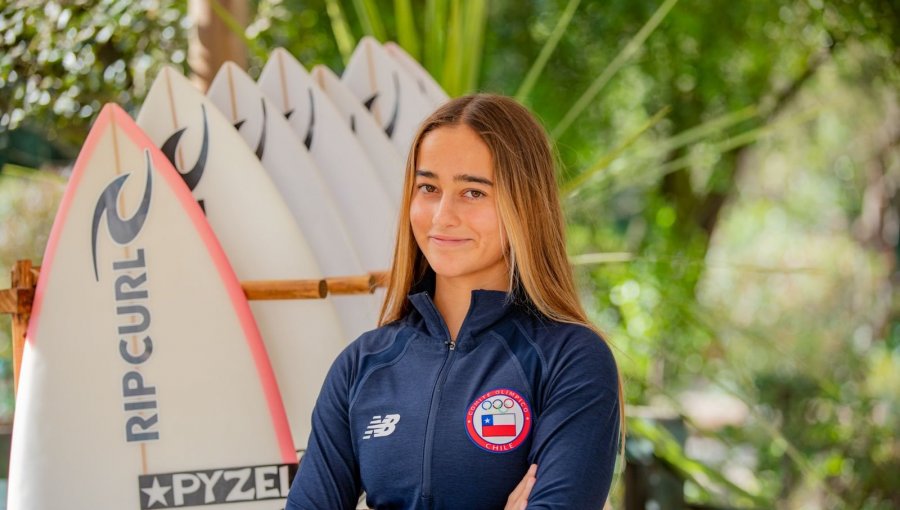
x=212, y=42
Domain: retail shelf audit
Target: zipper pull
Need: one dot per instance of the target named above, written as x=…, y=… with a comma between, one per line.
x=451, y=345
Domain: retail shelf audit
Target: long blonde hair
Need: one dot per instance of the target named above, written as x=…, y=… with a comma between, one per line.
x=527, y=204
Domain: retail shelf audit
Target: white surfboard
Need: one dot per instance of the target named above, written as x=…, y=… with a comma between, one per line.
x=297, y=177
x=144, y=383
x=257, y=232
x=318, y=122
x=367, y=209
x=427, y=84
x=391, y=95
x=382, y=152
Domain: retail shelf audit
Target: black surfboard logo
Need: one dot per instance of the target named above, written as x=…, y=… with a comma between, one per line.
x=307, y=141
x=261, y=144
x=392, y=123
x=193, y=176
x=121, y=230
x=312, y=121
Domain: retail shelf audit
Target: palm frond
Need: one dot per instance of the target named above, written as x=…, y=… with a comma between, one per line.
x=435, y=37
x=453, y=50
x=579, y=180
x=407, y=35
x=538, y=66
x=370, y=19
x=474, y=23
x=341, y=30
x=630, y=49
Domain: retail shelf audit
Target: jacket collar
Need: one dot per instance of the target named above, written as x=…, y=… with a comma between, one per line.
x=486, y=308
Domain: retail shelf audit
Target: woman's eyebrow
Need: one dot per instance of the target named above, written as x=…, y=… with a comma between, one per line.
x=428, y=174
x=472, y=178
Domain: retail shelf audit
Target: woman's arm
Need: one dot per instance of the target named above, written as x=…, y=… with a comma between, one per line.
x=329, y=474
x=576, y=437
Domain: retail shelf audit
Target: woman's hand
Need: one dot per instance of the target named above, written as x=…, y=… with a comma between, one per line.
x=518, y=500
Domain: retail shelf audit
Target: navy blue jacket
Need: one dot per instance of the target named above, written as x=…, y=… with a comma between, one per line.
x=419, y=423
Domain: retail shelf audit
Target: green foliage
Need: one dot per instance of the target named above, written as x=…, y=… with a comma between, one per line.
x=304, y=28
x=60, y=61
x=342, y=35
x=538, y=66
x=407, y=35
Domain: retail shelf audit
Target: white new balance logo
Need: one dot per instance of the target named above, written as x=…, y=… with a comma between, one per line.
x=380, y=427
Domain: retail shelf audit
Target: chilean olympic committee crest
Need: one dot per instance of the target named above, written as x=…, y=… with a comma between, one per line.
x=499, y=420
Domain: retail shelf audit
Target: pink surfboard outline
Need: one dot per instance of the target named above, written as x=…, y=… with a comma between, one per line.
x=113, y=113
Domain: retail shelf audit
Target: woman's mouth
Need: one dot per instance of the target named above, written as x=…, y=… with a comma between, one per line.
x=448, y=241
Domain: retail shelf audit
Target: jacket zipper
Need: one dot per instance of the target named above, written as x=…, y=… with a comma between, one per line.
x=432, y=414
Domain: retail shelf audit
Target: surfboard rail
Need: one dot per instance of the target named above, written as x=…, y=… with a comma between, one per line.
x=17, y=300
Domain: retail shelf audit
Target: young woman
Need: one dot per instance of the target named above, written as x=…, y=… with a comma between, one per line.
x=485, y=386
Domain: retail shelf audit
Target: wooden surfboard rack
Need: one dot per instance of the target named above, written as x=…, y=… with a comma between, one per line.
x=17, y=300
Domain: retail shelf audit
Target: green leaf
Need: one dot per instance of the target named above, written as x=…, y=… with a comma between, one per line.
x=453, y=53
x=435, y=37
x=711, y=127
x=341, y=30
x=621, y=59
x=589, y=259
x=612, y=155
x=666, y=448
x=370, y=18
x=538, y=66
x=474, y=21
x=407, y=36
x=654, y=173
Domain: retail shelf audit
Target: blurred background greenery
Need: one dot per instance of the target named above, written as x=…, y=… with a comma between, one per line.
x=730, y=176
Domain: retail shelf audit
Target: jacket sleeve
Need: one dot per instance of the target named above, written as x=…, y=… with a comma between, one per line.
x=576, y=436
x=328, y=476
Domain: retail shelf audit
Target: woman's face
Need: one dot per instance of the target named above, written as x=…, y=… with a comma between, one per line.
x=453, y=211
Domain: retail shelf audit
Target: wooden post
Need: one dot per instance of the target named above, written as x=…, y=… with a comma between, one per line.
x=212, y=41
x=22, y=291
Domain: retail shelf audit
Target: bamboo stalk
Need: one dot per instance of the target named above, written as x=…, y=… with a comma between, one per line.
x=18, y=299
x=285, y=289
x=382, y=278
x=12, y=300
x=351, y=285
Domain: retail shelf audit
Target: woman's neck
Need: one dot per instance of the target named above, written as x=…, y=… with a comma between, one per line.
x=452, y=299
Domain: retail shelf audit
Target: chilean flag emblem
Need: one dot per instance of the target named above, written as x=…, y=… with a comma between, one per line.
x=498, y=425
x=499, y=421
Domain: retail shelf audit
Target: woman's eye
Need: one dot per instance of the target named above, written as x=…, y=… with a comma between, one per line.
x=427, y=188
x=474, y=193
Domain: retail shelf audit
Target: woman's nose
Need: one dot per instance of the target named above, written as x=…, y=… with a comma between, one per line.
x=446, y=214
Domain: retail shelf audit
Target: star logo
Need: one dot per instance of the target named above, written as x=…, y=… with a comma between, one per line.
x=156, y=494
